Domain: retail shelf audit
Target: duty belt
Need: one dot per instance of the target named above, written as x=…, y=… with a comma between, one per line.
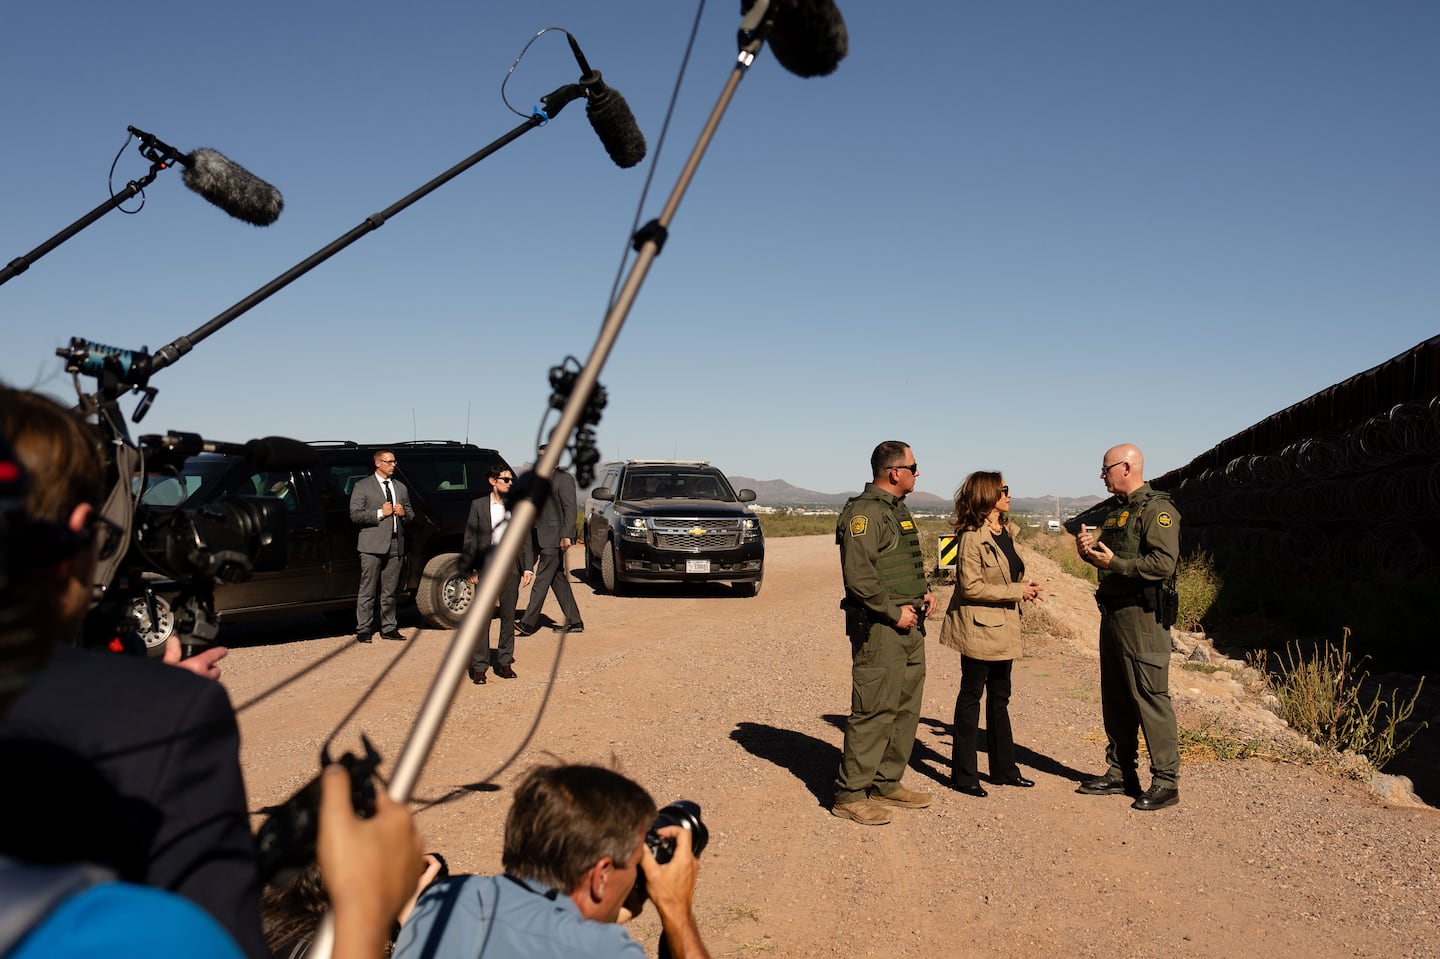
x=1109, y=604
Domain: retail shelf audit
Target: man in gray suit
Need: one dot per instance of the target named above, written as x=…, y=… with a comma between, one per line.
x=380, y=506
x=554, y=532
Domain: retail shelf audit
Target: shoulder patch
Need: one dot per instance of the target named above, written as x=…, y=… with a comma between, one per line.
x=1124, y=518
x=859, y=525
x=906, y=524
x=1165, y=520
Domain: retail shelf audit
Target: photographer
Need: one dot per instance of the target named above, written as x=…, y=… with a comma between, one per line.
x=575, y=842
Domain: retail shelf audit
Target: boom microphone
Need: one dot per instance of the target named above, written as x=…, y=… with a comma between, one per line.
x=808, y=37
x=609, y=115
x=231, y=187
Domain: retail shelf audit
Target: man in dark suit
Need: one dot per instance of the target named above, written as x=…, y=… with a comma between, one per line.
x=554, y=532
x=380, y=506
x=484, y=528
x=131, y=765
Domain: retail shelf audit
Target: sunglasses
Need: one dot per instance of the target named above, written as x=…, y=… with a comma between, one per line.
x=914, y=468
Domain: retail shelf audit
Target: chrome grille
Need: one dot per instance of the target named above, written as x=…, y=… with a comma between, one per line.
x=679, y=535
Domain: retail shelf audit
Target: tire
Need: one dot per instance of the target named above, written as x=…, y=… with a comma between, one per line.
x=153, y=634
x=444, y=592
x=748, y=590
x=610, y=570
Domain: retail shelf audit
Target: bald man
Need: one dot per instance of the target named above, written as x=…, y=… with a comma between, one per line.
x=1135, y=551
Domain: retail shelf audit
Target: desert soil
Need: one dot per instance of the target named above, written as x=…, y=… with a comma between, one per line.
x=739, y=705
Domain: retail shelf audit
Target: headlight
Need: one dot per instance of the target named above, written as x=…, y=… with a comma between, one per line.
x=635, y=528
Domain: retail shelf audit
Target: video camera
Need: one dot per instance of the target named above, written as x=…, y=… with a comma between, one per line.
x=154, y=535
x=188, y=548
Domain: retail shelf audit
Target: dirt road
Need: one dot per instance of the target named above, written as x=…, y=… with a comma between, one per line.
x=739, y=704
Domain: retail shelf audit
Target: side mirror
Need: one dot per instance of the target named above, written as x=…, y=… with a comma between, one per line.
x=746, y=496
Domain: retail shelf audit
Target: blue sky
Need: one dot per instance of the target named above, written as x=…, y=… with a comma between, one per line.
x=1010, y=234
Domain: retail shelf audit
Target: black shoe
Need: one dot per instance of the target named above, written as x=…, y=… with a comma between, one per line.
x=505, y=672
x=477, y=676
x=1016, y=780
x=362, y=637
x=1108, y=785
x=393, y=634
x=525, y=630
x=977, y=790
x=1156, y=797
x=569, y=628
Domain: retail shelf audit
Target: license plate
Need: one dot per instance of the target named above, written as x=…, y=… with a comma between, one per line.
x=697, y=566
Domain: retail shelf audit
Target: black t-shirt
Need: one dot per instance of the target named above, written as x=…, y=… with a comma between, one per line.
x=1007, y=546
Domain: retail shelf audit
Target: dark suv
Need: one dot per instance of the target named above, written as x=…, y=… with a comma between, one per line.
x=321, y=569
x=671, y=521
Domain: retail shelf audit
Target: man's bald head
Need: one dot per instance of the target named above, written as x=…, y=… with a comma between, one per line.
x=1123, y=469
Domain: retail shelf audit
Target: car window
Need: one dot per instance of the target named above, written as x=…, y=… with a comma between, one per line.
x=445, y=475
x=341, y=479
x=193, y=481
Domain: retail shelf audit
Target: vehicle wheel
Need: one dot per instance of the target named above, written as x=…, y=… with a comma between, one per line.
x=747, y=589
x=444, y=592
x=153, y=633
x=609, y=570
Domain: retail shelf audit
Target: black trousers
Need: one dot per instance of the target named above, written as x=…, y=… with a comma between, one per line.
x=991, y=678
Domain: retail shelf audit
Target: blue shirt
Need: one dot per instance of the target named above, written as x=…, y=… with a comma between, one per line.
x=121, y=921
x=469, y=917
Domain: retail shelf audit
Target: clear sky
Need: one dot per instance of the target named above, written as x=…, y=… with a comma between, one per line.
x=1011, y=234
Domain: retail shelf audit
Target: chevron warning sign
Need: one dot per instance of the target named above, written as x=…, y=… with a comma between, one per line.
x=949, y=549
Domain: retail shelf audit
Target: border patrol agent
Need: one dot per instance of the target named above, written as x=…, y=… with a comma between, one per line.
x=1136, y=551
x=886, y=600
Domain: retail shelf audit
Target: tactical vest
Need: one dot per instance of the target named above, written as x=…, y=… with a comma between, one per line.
x=901, y=566
x=1121, y=535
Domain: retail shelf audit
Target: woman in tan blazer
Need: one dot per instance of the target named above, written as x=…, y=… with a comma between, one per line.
x=983, y=623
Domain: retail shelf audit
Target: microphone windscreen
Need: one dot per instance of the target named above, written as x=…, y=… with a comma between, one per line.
x=809, y=37
x=232, y=188
x=280, y=452
x=616, y=127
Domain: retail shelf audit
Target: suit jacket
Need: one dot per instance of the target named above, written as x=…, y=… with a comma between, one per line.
x=366, y=498
x=557, y=517
x=478, y=536
x=983, y=619
x=133, y=765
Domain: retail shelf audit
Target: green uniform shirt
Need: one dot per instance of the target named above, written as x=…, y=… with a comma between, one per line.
x=1143, y=531
x=872, y=524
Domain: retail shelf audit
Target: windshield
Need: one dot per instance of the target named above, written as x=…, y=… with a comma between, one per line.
x=677, y=484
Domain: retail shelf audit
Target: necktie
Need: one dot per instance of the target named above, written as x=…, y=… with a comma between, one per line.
x=389, y=498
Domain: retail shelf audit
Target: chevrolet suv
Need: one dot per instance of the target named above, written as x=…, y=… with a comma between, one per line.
x=671, y=521
x=321, y=568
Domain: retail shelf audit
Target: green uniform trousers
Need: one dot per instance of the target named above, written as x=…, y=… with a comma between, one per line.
x=887, y=676
x=1135, y=695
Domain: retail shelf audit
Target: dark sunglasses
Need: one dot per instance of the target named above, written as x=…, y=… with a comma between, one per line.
x=1004, y=491
x=913, y=467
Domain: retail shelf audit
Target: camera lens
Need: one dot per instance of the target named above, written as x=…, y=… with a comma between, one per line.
x=685, y=814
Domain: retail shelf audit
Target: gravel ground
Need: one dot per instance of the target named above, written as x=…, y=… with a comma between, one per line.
x=739, y=705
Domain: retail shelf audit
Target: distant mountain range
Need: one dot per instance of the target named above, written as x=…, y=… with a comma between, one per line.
x=781, y=493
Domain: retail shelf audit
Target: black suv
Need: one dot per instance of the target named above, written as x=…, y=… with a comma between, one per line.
x=671, y=521
x=321, y=569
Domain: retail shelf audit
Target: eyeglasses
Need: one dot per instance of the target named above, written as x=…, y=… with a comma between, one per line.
x=387, y=462
x=504, y=479
x=1004, y=491
x=914, y=468
x=1106, y=469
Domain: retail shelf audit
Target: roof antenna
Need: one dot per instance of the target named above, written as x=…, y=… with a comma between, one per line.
x=467, y=424
x=414, y=429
